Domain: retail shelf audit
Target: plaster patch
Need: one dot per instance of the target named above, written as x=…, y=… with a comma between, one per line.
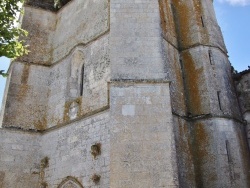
x=128, y=110
x=74, y=107
x=17, y=147
x=147, y=100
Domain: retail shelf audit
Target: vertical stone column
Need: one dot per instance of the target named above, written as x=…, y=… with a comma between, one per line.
x=142, y=138
x=174, y=69
x=213, y=110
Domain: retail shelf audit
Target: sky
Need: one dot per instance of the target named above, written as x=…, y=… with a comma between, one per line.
x=234, y=19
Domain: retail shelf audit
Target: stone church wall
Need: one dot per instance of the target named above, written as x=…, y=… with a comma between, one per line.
x=79, y=23
x=41, y=25
x=19, y=159
x=27, y=98
x=123, y=93
x=243, y=91
x=79, y=83
x=135, y=40
x=53, y=35
x=142, y=138
x=34, y=160
x=69, y=152
x=66, y=86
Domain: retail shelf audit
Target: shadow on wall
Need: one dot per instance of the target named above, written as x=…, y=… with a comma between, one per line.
x=53, y=5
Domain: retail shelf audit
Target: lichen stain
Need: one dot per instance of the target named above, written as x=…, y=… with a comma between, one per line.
x=38, y=43
x=183, y=14
x=24, y=87
x=23, y=90
x=193, y=77
x=25, y=74
x=79, y=101
x=188, y=19
x=41, y=124
x=2, y=176
x=202, y=156
x=185, y=149
x=66, y=111
x=162, y=15
x=245, y=154
x=54, y=120
x=200, y=13
x=167, y=21
x=67, y=105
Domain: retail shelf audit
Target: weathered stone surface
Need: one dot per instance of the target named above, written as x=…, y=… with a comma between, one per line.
x=69, y=151
x=208, y=82
x=82, y=79
x=148, y=81
x=142, y=141
x=196, y=24
x=52, y=36
x=218, y=144
x=243, y=90
x=173, y=67
x=41, y=26
x=47, y=92
x=28, y=95
x=184, y=152
x=135, y=40
x=80, y=22
x=19, y=159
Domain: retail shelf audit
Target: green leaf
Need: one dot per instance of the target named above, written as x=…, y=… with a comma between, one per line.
x=3, y=74
x=10, y=44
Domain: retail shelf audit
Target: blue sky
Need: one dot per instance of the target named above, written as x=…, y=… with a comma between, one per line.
x=234, y=19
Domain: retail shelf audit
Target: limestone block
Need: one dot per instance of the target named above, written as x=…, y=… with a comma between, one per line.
x=19, y=159
x=41, y=26
x=80, y=22
x=135, y=40
x=196, y=24
x=142, y=143
x=174, y=70
x=218, y=147
x=70, y=151
x=27, y=97
x=209, y=83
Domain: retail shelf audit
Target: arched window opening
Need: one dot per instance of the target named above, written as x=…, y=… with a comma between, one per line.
x=70, y=182
x=76, y=77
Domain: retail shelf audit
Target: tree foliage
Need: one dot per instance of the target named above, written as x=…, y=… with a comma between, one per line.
x=57, y=4
x=10, y=44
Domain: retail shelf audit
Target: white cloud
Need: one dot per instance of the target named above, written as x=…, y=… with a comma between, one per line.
x=236, y=2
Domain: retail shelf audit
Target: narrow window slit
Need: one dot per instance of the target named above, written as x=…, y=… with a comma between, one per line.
x=82, y=80
x=202, y=22
x=228, y=151
x=230, y=160
x=181, y=63
x=218, y=95
x=210, y=57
